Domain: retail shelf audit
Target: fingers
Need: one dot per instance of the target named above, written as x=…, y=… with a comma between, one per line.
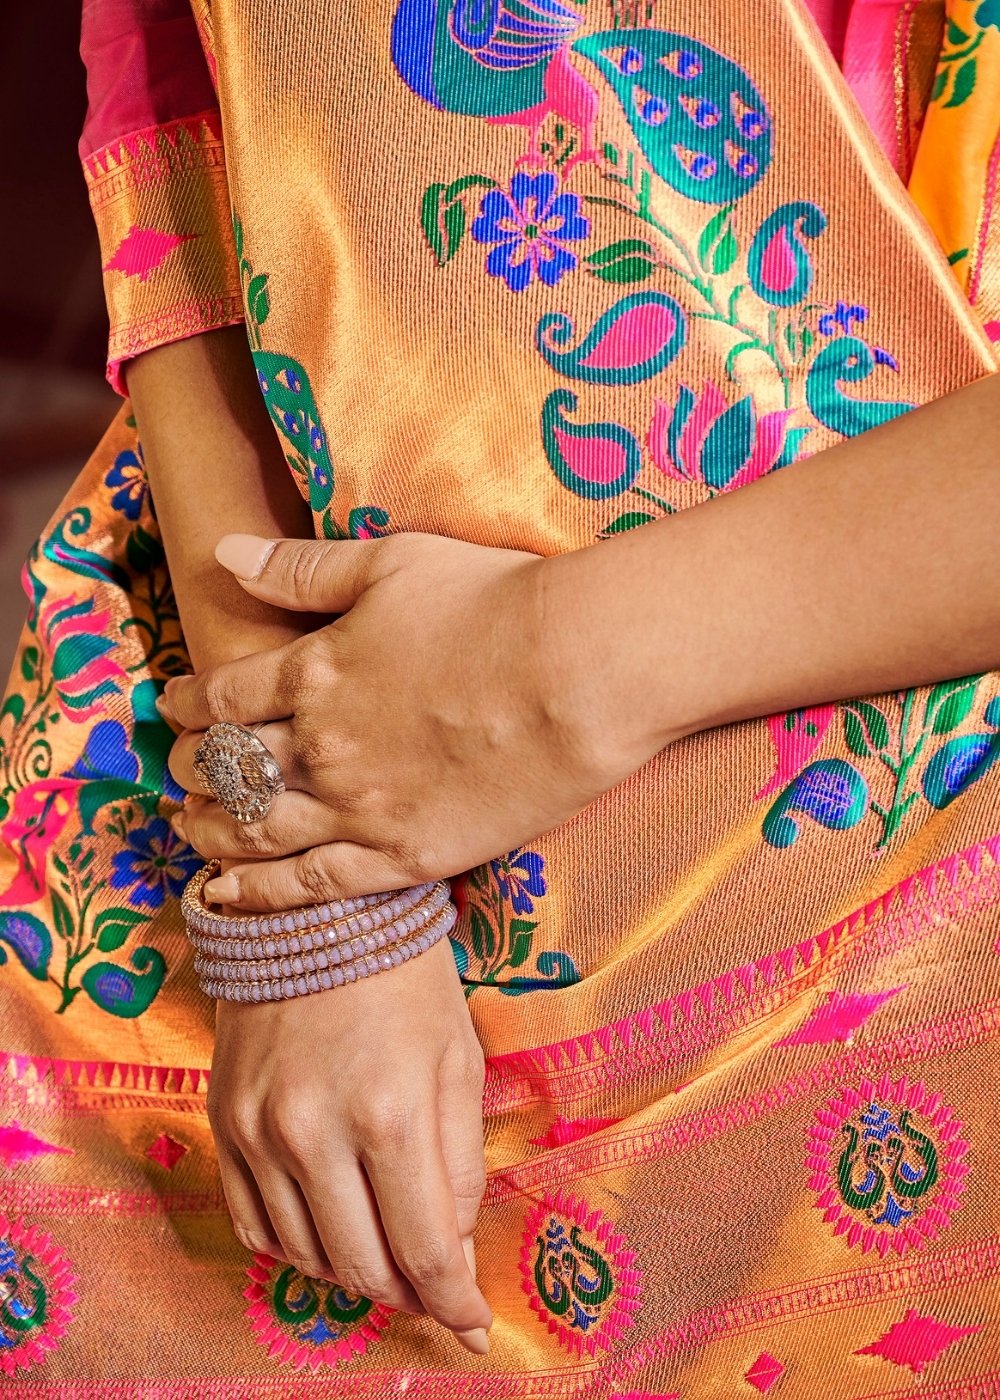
x=402, y=1153
x=246, y=692
x=460, y=1100
x=326, y=576
x=343, y=1208
x=295, y=820
x=278, y=738
x=341, y=870
x=246, y=1205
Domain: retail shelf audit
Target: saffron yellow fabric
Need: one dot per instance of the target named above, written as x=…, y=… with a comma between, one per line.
x=530, y=275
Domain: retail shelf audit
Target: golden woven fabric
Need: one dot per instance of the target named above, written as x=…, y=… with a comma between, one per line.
x=530, y=275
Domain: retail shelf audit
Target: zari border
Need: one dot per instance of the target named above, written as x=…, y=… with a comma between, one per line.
x=736, y=1317
x=703, y=1017
x=161, y=204
x=690, y=1021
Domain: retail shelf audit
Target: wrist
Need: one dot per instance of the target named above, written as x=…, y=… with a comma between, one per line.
x=601, y=684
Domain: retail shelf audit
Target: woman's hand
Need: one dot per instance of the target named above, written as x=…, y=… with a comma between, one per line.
x=443, y=718
x=350, y=1137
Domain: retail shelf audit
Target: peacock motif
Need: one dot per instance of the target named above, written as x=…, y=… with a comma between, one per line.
x=699, y=120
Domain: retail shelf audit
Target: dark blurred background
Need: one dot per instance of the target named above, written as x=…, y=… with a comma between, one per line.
x=54, y=403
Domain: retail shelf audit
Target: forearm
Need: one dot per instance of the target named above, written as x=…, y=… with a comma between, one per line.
x=215, y=467
x=872, y=567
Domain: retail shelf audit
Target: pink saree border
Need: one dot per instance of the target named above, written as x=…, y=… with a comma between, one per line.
x=153, y=154
x=702, y=1017
x=606, y=1150
x=733, y=1318
x=982, y=1387
x=689, y=1022
x=873, y=1061
x=987, y=214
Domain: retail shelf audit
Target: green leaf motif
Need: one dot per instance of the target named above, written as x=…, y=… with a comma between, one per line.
x=865, y=729
x=13, y=705
x=143, y=551
x=956, y=36
x=113, y=926
x=29, y=663
x=258, y=301
x=713, y=236
x=62, y=918
x=631, y=520
x=520, y=949
x=735, y=353
x=483, y=938
x=965, y=82
x=725, y=252
x=949, y=703
x=442, y=215
x=238, y=236
x=628, y=260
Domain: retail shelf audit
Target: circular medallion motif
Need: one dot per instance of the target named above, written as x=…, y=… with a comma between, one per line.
x=579, y=1275
x=36, y=1295
x=888, y=1162
x=308, y=1322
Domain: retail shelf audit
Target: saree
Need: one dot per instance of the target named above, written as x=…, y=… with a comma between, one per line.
x=532, y=274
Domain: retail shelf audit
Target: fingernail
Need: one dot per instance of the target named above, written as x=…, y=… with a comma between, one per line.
x=163, y=706
x=224, y=889
x=476, y=1341
x=244, y=555
x=177, y=822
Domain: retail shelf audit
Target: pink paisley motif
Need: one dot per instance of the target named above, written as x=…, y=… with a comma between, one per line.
x=796, y=737
x=596, y=459
x=39, y=813
x=778, y=268
x=839, y=1017
x=633, y=338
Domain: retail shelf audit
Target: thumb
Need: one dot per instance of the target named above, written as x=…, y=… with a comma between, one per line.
x=325, y=576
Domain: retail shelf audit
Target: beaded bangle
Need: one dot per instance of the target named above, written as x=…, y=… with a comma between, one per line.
x=278, y=989
x=312, y=955
x=378, y=920
x=253, y=958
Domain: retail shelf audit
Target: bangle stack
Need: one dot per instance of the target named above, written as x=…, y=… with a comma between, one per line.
x=269, y=957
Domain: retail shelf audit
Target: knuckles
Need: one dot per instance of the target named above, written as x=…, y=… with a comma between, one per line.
x=426, y=1262
x=384, y=1123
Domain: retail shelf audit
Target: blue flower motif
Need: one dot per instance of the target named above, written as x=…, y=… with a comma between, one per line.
x=155, y=863
x=128, y=475
x=520, y=876
x=842, y=317
x=529, y=227
x=988, y=14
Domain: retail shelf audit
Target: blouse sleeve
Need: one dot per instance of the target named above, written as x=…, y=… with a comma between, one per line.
x=154, y=164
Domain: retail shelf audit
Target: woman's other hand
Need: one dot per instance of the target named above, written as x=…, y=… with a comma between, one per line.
x=350, y=1137
x=443, y=718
